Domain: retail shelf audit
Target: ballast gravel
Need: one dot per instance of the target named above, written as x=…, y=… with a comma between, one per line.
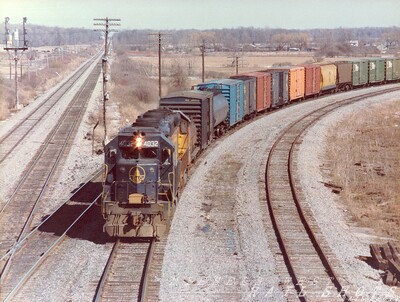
x=217, y=248
x=205, y=260
x=346, y=241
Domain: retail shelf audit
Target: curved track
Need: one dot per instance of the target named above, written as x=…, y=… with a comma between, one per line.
x=30, y=190
x=308, y=261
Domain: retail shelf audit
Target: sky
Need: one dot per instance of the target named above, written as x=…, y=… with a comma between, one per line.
x=206, y=14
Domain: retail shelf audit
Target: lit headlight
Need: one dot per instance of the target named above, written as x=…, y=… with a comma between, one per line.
x=138, y=142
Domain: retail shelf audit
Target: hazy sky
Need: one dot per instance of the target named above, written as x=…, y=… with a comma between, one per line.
x=204, y=14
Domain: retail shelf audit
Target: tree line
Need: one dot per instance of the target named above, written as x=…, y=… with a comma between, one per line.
x=273, y=39
x=38, y=35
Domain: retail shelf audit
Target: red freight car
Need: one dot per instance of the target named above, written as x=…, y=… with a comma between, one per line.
x=263, y=88
x=312, y=80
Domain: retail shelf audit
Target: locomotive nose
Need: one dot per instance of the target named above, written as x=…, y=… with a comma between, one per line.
x=143, y=187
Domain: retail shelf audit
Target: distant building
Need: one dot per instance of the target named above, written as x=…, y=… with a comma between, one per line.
x=353, y=43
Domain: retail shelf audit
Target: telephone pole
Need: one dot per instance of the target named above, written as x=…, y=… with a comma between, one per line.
x=159, y=60
x=106, y=77
x=236, y=62
x=203, y=49
x=15, y=52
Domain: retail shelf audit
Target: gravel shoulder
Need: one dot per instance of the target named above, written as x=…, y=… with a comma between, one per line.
x=345, y=240
x=80, y=157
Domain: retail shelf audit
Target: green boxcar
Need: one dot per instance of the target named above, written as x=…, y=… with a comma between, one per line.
x=376, y=70
x=396, y=69
x=360, y=72
x=392, y=69
x=389, y=69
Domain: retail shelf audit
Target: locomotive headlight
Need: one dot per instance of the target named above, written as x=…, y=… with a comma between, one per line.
x=138, y=141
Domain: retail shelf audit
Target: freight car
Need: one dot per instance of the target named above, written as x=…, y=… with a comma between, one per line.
x=234, y=94
x=146, y=165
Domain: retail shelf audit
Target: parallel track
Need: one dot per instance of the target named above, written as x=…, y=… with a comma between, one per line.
x=18, y=133
x=39, y=173
x=34, y=248
x=125, y=276
x=307, y=259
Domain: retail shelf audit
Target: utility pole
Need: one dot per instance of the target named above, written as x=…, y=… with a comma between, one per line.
x=159, y=60
x=203, y=49
x=106, y=77
x=15, y=52
x=236, y=57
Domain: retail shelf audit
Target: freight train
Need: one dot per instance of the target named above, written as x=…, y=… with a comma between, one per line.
x=147, y=163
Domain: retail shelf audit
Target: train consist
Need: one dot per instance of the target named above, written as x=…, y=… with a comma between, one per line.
x=146, y=165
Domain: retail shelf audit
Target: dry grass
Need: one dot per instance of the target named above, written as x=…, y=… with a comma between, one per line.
x=365, y=151
x=31, y=84
x=132, y=88
x=135, y=75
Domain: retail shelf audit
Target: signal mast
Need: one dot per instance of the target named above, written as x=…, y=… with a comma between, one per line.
x=15, y=51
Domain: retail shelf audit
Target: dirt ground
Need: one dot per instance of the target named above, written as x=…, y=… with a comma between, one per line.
x=366, y=154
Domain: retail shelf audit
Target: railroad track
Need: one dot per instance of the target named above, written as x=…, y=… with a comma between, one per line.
x=309, y=262
x=10, y=141
x=28, y=254
x=18, y=212
x=125, y=276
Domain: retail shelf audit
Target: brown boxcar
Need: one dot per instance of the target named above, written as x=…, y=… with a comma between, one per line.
x=312, y=80
x=344, y=75
x=263, y=88
x=296, y=81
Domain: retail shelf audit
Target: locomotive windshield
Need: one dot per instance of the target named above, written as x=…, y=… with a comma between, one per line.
x=136, y=153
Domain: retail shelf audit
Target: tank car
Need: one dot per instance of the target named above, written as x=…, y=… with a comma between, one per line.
x=145, y=167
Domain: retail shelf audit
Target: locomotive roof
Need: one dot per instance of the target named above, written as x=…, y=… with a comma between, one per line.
x=165, y=120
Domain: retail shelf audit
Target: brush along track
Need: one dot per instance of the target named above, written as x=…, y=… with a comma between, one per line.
x=18, y=212
x=38, y=245
x=126, y=274
x=306, y=255
x=18, y=133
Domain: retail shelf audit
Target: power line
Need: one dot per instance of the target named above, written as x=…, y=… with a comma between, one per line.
x=106, y=77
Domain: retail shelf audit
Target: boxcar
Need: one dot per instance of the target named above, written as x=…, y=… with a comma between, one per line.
x=360, y=72
x=392, y=69
x=205, y=108
x=296, y=81
x=249, y=94
x=312, y=80
x=376, y=70
x=344, y=75
x=279, y=87
x=263, y=90
x=328, y=77
x=233, y=92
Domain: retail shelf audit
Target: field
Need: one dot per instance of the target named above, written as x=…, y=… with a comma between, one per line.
x=366, y=154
